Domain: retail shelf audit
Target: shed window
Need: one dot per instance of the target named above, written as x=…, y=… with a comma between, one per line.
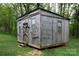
x=33, y=21
x=59, y=26
x=34, y=29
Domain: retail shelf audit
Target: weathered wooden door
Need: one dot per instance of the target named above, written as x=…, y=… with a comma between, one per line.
x=59, y=32
x=25, y=32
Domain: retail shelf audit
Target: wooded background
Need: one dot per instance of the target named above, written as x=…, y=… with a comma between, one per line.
x=9, y=12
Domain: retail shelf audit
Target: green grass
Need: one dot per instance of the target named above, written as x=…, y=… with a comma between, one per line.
x=9, y=47
x=71, y=49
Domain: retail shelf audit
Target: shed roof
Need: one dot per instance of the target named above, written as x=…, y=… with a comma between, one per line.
x=43, y=10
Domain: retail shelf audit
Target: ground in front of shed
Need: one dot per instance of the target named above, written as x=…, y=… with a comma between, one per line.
x=9, y=47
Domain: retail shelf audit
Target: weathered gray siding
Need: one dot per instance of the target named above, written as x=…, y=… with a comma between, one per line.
x=45, y=29
x=34, y=30
x=54, y=30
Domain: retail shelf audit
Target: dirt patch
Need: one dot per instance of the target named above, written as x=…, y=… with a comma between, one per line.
x=34, y=53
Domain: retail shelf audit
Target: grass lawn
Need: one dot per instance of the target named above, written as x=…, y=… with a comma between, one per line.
x=9, y=47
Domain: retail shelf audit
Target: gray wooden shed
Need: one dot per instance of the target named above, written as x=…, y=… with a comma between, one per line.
x=41, y=29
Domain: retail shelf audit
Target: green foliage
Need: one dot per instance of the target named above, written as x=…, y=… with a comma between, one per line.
x=7, y=19
x=74, y=27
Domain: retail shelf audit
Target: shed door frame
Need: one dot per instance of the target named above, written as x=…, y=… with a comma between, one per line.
x=25, y=32
x=59, y=31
